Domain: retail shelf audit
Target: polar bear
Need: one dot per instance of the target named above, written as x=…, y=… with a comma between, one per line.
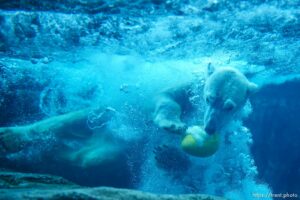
x=67, y=145
x=92, y=145
x=226, y=91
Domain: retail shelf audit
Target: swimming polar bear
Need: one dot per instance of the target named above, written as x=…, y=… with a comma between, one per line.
x=93, y=145
x=226, y=91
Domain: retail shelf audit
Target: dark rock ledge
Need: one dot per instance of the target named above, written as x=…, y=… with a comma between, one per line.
x=14, y=185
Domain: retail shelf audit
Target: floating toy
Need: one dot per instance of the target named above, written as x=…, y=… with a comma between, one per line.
x=198, y=143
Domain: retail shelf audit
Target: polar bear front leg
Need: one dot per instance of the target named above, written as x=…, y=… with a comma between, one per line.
x=167, y=115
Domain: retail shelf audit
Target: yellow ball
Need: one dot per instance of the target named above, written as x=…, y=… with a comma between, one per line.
x=198, y=143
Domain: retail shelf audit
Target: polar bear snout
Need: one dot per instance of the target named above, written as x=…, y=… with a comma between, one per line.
x=215, y=119
x=210, y=121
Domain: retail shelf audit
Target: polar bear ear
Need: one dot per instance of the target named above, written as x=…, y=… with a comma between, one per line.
x=252, y=88
x=210, y=69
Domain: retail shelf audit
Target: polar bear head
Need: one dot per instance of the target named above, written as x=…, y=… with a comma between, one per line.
x=226, y=91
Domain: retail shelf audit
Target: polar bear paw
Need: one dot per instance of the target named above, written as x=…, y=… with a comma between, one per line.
x=171, y=126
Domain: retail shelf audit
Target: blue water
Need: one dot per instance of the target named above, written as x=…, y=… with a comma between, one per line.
x=58, y=57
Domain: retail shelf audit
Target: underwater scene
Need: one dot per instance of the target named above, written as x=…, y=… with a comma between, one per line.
x=150, y=99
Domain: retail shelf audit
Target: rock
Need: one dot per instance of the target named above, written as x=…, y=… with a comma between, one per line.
x=275, y=120
x=14, y=185
x=15, y=180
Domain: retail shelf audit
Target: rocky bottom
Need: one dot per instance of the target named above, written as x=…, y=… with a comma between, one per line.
x=15, y=185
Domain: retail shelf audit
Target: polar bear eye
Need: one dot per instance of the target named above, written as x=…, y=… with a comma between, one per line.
x=229, y=105
x=208, y=99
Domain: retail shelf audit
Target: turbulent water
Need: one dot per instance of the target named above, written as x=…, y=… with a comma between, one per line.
x=58, y=57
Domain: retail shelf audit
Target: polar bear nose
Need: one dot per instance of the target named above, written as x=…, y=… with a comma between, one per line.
x=209, y=130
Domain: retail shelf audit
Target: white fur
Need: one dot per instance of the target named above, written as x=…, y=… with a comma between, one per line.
x=226, y=92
